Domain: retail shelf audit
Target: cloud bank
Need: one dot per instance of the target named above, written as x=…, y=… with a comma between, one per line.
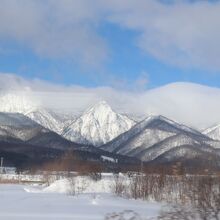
x=182, y=33
x=188, y=103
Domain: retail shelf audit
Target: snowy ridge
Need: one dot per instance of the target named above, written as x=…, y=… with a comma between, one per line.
x=154, y=136
x=46, y=119
x=16, y=120
x=146, y=139
x=16, y=125
x=177, y=125
x=97, y=125
x=167, y=145
x=21, y=102
x=188, y=154
x=213, y=132
x=151, y=130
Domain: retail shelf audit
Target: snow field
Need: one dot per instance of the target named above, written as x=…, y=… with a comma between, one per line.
x=92, y=200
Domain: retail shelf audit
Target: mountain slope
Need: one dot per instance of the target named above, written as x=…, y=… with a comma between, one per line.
x=97, y=125
x=154, y=136
x=46, y=119
x=191, y=157
x=170, y=144
x=213, y=132
x=25, y=142
x=21, y=102
x=17, y=128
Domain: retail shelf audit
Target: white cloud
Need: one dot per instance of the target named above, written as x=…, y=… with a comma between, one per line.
x=54, y=28
x=188, y=103
x=182, y=33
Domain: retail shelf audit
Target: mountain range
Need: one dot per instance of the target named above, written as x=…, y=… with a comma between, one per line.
x=23, y=142
x=158, y=137
x=98, y=131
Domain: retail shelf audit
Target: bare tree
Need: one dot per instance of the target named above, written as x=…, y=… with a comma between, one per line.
x=119, y=186
x=203, y=201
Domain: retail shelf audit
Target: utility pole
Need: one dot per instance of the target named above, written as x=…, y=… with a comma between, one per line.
x=142, y=167
x=142, y=172
x=2, y=160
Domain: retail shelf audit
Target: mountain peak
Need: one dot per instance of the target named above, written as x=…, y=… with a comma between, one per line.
x=100, y=112
x=102, y=103
x=162, y=119
x=100, y=106
x=46, y=119
x=98, y=125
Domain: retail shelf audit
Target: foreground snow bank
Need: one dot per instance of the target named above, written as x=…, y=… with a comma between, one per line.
x=78, y=184
x=81, y=184
x=18, y=204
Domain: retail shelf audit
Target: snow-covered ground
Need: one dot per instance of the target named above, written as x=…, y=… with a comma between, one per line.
x=92, y=200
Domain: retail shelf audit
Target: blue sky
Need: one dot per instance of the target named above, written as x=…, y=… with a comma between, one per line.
x=129, y=52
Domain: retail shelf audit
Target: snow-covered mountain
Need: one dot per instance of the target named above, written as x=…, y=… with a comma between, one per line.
x=46, y=119
x=24, y=142
x=20, y=102
x=190, y=156
x=213, y=132
x=154, y=136
x=17, y=128
x=97, y=125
